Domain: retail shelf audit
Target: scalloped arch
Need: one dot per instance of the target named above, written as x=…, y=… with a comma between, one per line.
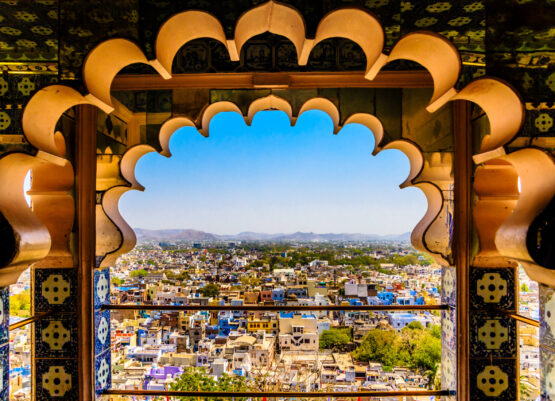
x=110, y=206
x=129, y=163
x=503, y=107
x=414, y=155
x=168, y=128
x=213, y=109
x=537, y=190
x=98, y=74
x=31, y=235
x=39, y=122
x=357, y=25
x=102, y=64
x=438, y=56
x=181, y=29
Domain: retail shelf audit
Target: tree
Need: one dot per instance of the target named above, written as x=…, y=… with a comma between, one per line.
x=197, y=379
x=415, y=325
x=377, y=346
x=20, y=304
x=210, y=290
x=138, y=273
x=117, y=281
x=335, y=338
x=415, y=347
x=524, y=288
x=251, y=280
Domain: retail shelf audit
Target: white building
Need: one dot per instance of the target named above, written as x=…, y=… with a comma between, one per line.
x=298, y=333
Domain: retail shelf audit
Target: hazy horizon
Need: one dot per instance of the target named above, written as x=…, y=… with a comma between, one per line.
x=274, y=178
x=269, y=233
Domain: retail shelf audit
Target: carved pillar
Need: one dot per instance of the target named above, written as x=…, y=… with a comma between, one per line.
x=85, y=155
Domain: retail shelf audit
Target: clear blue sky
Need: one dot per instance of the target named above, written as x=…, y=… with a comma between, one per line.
x=275, y=178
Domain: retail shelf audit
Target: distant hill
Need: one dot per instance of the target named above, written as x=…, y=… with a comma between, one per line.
x=174, y=235
x=196, y=235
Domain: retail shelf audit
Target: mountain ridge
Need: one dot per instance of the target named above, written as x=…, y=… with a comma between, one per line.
x=198, y=235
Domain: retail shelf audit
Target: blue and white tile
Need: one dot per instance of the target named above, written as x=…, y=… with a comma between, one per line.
x=448, y=286
x=101, y=287
x=547, y=373
x=103, y=372
x=4, y=315
x=4, y=372
x=448, y=329
x=492, y=335
x=492, y=288
x=101, y=331
x=56, y=337
x=448, y=369
x=56, y=379
x=56, y=289
x=547, y=316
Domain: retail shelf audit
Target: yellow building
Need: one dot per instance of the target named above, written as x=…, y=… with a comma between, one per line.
x=267, y=324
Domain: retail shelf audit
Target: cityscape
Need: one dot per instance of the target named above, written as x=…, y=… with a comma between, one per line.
x=274, y=350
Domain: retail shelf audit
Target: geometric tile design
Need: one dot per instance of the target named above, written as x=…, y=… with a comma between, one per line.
x=547, y=316
x=4, y=372
x=56, y=337
x=102, y=331
x=493, y=379
x=448, y=369
x=56, y=379
x=103, y=374
x=492, y=288
x=448, y=286
x=4, y=314
x=547, y=372
x=492, y=336
x=448, y=329
x=55, y=289
x=101, y=287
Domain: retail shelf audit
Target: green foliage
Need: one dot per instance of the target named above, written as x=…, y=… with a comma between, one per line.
x=251, y=280
x=210, y=290
x=414, y=347
x=20, y=304
x=197, y=379
x=151, y=262
x=524, y=288
x=377, y=346
x=182, y=276
x=415, y=325
x=117, y=281
x=402, y=261
x=525, y=388
x=335, y=338
x=138, y=273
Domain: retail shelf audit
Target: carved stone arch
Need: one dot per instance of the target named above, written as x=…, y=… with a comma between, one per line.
x=277, y=18
x=435, y=53
x=357, y=25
